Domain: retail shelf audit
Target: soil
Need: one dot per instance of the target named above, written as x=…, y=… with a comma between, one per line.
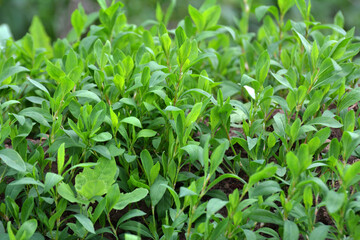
x=335, y=133
x=324, y=217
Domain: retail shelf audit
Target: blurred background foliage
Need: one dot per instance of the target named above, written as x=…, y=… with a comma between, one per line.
x=55, y=14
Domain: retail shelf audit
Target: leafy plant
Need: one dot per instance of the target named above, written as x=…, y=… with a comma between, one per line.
x=203, y=131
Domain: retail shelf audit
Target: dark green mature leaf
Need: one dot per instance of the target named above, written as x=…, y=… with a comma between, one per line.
x=265, y=216
x=102, y=150
x=349, y=99
x=12, y=159
x=87, y=94
x=27, y=208
x=217, y=157
x=351, y=173
x=132, y=197
x=67, y=193
x=8, y=72
x=27, y=229
x=133, y=121
x=51, y=179
x=325, y=121
x=214, y=205
x=146, y=133
x=266, y=172
x=291, y=230
x=334, y=201
x=147, y=162
x=157, y=190
x=85, y=222
x=320, y=233
x=349, y=143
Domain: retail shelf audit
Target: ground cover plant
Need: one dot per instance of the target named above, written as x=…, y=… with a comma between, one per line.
x=203, y=131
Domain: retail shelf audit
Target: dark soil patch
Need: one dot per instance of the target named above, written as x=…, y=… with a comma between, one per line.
x=336, y=133
x=324, y=217
x=352, y=160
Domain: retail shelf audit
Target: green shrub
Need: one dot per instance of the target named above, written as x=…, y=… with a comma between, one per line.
x=200, y=132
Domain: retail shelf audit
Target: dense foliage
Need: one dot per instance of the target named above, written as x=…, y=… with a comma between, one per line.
x=200, y=132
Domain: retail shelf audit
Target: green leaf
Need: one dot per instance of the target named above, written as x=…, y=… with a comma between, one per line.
x=271, y=141
x=211, y=16
x=71, y=61
x=260, y=12
x=159, y=14
x=265, y=188
x=262, y=67
x=320, y=232
x=311, y=110
x=40, y=37
x=8, y=103
x=98, y=210
x=193, y=115
x=314, y=54
x=214, y=205
x=132, y=197
x=102, y=4
x=10, y=231
x=87, y=94
x=102, y=137
x=197, y=18
x=27, y=208
x=78, y=21
x=133, y=121
x=325, y=121
x=147, y=162
x=265, y=216
x=334, y=201
x=85, y=222
x=349, y=142
x=12, y=159
x=61, y=158
x=130, y=214
x=154, y=172
x=26, y=181
x=157, y=190
x=304, y=42
x=291, y=230
x=51, y=179
x=224, y=176
x=351, y=174
x=295, y=129
x=293, y=164
x=285, y=5
x=39, y=116
x=97, y=181
x=54, y=72
x=146, y=133
x=27, y=229
x=349, y=99
x=102, y=150
x=11, y=71
x=38, y=85
x=217, y=157
x=266, y=172
x=283, y=81
x=65, y=191
x=112, y=197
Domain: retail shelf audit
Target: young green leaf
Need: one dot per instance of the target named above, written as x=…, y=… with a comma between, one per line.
x=97, y=181
x=217, y=157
